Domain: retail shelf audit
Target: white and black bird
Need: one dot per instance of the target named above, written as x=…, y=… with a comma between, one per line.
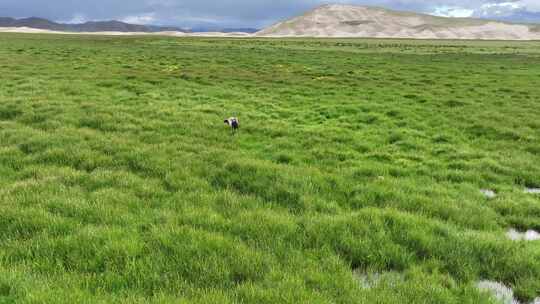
x=233, y=123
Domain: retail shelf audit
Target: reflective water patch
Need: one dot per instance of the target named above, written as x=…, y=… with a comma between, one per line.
x=370, y=280
x=502, y=293
x=488, y=193
x=499, y=291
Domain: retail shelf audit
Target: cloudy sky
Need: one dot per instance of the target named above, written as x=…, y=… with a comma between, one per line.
x=248, y=13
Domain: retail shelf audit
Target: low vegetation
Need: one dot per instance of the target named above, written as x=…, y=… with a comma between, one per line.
x=356, y=159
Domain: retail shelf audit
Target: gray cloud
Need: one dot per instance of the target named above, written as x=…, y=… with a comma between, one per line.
x=242, y=13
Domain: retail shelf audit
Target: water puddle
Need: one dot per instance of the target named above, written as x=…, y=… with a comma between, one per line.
x=371, y=280
x=488, y=193
x=502, y=293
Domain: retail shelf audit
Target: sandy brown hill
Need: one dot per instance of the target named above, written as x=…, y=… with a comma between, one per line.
x=371, y=22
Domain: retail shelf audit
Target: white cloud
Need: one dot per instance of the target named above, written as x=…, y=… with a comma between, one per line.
x=77, y=18
x=530, y=5
x=509, y=5
x=148, y=18
x=498, y=9
x=453, y=11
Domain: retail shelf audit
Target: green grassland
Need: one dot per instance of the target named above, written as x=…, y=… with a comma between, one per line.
x=356, y=159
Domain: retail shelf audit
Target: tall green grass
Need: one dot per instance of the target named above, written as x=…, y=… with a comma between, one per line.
x=120, y=183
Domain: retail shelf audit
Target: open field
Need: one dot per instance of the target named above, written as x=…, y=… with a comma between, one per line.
x=355, y=177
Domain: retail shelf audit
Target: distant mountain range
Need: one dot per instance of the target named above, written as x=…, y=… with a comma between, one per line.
x=92, y=26
x=373, y=22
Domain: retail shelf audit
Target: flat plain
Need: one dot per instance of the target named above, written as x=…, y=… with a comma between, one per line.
x=356, y=176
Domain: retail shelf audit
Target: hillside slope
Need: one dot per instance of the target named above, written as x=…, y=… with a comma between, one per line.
x=371, y=22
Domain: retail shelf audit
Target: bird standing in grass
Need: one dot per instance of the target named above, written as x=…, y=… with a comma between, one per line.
x=233, y=123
